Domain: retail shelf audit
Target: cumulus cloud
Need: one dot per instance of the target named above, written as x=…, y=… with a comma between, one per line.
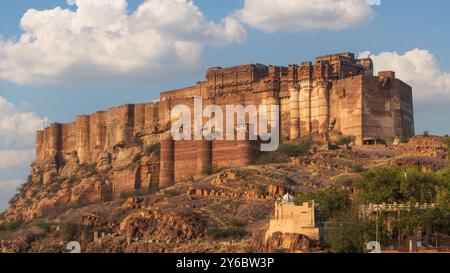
x=420, y=69
x=7, y=189
x=12, y=158
x=17, y=134
x=294, y=15
x=102, y=40
x=10, y=185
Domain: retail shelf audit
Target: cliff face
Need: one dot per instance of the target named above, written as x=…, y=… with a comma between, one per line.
x=96, y=158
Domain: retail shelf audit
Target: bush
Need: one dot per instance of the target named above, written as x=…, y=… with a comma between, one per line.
x=171, y=193
x=345, y=140
x=284, y=152
x=47, y=227
x=358, y=168
x=90, y=168
x=138, y=141
x=208, y=170
x=233, y=233
x=261, y=190
x=11, y=226
x=153, y=149
x=105, y=230
x=236, y=222
x=426, y=133
x=55, y=187
x=71, y=231
x=404, y=140
x=14, y=199
x=74, y=180
x=137, y=158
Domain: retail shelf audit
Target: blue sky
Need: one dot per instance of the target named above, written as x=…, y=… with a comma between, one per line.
x=396, y=26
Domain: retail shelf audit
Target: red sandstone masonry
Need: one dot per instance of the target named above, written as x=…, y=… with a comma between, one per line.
x=337, y=93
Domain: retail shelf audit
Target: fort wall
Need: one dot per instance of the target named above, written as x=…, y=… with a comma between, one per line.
x=336, y=94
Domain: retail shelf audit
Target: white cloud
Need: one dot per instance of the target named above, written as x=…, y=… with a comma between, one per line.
x=10, y=185
x=17, y=127
x=7, y=189
x=17, y=134
x=102, y=40
x=12, y=158
x=295, y=15
x=420, y=69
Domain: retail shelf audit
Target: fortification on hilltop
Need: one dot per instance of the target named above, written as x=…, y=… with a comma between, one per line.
x=338, y=93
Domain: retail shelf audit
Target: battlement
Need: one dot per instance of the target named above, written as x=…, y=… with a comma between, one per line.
x=97, y=132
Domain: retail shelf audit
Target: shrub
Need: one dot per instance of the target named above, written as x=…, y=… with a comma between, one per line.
x=74, y=180
x=171, y=193
x=261, y=190
x=47, y=227
x=90, y=168
x=235, y=222
x=11, y=226
x=137, y=158
x=226, y=233
x=345, y=140
x=404, y=140
x=208, y=170
x=284, y=152
x=153, y=149
x=138, y=141
x=70, y=231
x=358, y=168
x=105, y=230
x=55, y=187
x=14, y=199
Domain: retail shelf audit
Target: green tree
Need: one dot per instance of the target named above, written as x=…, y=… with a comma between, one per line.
x=330, y=200
x=346, y=232
x=379, y=185
x=419, y=186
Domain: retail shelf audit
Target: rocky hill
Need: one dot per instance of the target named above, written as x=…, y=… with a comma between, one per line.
x=227, y=211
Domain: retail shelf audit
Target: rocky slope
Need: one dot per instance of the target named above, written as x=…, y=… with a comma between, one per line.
x=224, y=212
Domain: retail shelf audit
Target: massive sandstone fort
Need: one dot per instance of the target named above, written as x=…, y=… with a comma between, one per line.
x=337, y=94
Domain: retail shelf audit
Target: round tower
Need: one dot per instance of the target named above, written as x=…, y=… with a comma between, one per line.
x=294, y=113
x=204, y=157
x=167, y=163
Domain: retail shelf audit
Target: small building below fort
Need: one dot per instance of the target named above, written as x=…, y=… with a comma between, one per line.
x=291, y=219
